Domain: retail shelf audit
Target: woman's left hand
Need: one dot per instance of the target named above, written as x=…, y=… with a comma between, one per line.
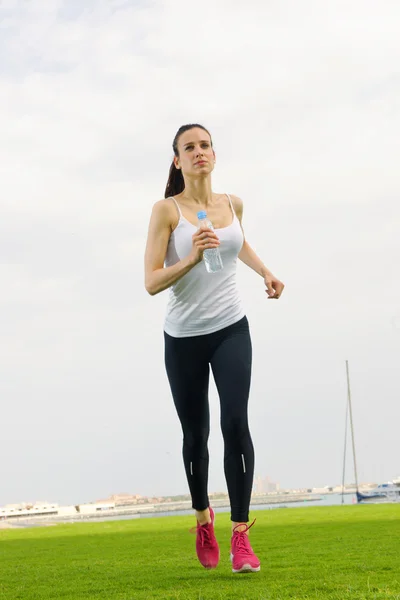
x=274, y=287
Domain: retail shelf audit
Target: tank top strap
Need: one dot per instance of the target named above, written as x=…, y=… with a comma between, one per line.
x=230, y=202
x=177, y=206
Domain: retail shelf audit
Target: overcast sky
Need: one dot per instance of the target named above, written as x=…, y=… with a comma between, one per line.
x=302, y=100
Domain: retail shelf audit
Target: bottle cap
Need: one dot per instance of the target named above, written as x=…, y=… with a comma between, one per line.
x=202, y=214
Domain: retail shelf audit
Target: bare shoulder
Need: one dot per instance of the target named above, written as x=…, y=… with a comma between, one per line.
x=163, y=207
x=237, y=204
x=164, y=211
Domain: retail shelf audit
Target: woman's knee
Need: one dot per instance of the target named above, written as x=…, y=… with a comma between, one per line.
x=196, y=438
x=234, y=428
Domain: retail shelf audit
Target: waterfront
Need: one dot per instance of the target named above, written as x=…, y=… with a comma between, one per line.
x=307, y=501
x=328, y=500
x=318, y=500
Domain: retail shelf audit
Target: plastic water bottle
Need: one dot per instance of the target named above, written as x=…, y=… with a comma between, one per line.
x=212, y=256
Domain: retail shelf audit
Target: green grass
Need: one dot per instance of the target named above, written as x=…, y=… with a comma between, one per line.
x=343, y=552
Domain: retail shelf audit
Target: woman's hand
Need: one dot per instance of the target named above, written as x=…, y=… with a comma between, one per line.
x=202, y=240
x=274, y=287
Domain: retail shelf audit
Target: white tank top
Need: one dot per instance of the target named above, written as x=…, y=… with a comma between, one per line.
x=202, y=302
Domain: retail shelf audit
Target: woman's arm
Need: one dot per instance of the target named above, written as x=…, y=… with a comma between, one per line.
x=157, y=277
x=250, y=258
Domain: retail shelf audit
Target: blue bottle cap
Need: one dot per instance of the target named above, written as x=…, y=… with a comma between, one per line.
x=202, y=214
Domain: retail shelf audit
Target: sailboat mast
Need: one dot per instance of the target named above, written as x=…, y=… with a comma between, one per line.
x=345, y=448
x=351, y=422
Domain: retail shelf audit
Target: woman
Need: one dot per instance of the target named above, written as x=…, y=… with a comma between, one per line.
x=206, y=326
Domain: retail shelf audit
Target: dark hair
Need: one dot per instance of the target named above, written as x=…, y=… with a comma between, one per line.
x=176, y=183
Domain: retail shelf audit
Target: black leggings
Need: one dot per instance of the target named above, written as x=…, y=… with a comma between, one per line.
x=187, y=361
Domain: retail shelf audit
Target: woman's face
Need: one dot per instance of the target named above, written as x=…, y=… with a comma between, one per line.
x=196, y=156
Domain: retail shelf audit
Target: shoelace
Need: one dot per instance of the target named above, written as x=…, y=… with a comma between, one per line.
x=204, y=533
x=241, y=538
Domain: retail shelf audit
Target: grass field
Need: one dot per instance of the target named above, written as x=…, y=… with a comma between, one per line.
x=326, y=552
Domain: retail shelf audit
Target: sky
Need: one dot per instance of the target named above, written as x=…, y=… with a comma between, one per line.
x=302, y=100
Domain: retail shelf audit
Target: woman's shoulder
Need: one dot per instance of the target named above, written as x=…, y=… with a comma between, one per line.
x=165, y=210
x=164, y=206
x=237, y=204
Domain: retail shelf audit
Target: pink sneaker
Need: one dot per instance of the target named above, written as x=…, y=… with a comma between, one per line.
x=206, y=545
x=242, y=556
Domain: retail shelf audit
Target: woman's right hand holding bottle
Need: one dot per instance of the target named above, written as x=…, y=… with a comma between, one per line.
x=202, y=240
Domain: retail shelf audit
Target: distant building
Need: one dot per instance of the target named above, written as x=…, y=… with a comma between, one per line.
x=124, y=499
x=38, y=509
x=47, y=509
x=263, y=485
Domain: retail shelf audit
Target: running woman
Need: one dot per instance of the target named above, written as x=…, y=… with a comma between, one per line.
x=205, y=325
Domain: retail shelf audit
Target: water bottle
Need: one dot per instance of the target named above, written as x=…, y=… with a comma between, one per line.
x=212, y=256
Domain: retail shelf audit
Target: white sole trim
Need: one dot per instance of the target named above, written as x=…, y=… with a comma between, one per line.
x=246, y=568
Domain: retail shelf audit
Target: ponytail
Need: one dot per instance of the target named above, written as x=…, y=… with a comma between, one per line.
x=176, y=183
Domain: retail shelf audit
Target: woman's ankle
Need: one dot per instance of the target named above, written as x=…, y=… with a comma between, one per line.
x=240, y=527
x=203, y=516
